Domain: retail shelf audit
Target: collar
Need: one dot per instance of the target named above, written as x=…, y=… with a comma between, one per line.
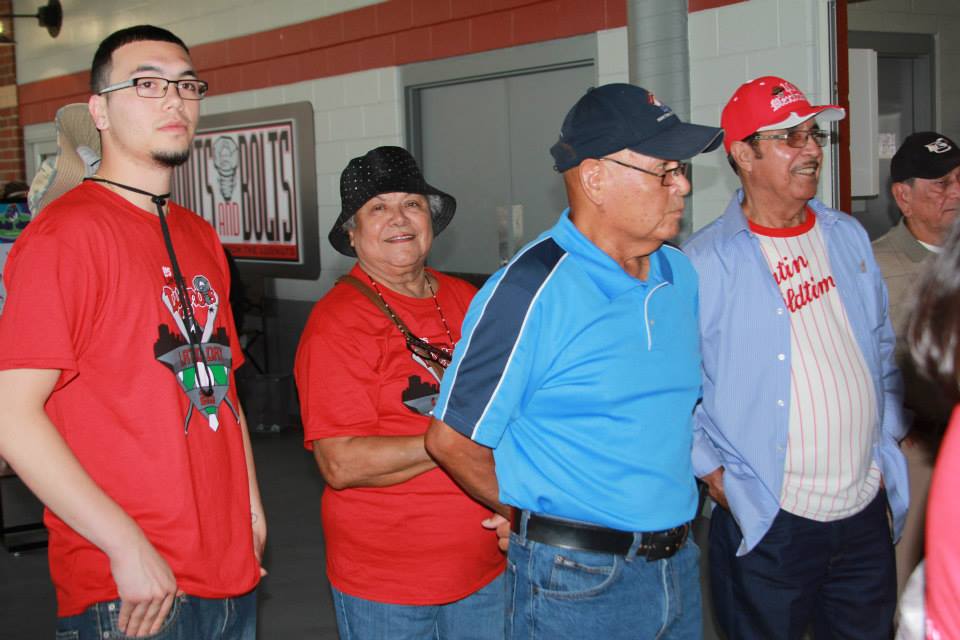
x=735, y=222
x=605, y=272
x=906, y=243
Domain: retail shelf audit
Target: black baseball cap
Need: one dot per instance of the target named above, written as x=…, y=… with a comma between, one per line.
x=619, y=116
x=925, y=154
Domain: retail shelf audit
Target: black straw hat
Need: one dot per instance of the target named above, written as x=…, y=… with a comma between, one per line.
x=384, y=170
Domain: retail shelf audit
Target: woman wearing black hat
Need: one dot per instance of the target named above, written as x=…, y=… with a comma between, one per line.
x=407, y=556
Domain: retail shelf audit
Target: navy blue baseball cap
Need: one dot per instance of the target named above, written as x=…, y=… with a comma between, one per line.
x=619, y=116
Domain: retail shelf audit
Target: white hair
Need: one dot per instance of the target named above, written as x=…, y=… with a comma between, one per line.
x=434, y=203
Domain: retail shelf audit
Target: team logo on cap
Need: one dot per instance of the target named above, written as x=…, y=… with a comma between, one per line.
x=938, y=146
x=784, y=94
x=652, y=99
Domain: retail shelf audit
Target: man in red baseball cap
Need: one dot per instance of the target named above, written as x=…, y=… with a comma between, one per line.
x=796, y=435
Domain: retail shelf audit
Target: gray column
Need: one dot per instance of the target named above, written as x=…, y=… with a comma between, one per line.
x=659, y=58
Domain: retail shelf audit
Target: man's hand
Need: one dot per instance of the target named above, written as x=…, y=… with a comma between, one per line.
x=259, y=524
x=34, y=447
x=714, y=482
x=146, y=586
x=502, y=527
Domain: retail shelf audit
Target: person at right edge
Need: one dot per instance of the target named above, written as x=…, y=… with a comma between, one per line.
x=925, y=183
x=934, y=338
x=797, y=433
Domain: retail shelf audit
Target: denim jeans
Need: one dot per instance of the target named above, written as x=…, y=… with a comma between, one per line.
x=190, y=618
x=556, y=594
x=479, y=616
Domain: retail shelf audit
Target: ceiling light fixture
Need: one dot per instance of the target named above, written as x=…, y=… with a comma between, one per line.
x=49, y=16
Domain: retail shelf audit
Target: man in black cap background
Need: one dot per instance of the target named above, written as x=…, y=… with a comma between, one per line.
x=925, y=183
x=567, y=406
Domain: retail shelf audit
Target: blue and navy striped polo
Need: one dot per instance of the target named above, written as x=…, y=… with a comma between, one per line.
x=582, y=379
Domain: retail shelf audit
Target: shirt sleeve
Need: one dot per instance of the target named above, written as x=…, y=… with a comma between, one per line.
x=484, y=387
x=337, y=381
x=51, y=308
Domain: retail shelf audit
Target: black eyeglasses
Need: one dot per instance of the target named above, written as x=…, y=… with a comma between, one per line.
x=188, y=89
x=668, y=178
x=797, y=139
x=427, y=350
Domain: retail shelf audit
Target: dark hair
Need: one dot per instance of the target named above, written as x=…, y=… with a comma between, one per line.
x=934, y=331
x=102, y=59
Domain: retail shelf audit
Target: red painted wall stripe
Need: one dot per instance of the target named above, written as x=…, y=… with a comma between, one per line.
x=382, y=35
x=700, y=5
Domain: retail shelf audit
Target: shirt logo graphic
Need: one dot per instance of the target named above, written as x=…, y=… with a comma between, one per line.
x=186, y=363
x=421, y=396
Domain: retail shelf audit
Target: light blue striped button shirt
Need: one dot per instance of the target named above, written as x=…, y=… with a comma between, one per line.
x=743, y=420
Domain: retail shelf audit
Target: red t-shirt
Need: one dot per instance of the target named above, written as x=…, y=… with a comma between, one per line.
x=419, y=542
x=942, y=543
x=91, y=293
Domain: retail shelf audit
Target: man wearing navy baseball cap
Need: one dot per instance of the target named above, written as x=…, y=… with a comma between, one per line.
x=796, y=435
x=925, y=183
x=567, y=407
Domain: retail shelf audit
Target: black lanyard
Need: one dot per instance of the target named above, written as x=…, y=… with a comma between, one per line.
x=193, y=329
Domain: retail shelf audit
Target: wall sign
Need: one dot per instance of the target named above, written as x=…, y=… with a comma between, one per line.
x=252, y=176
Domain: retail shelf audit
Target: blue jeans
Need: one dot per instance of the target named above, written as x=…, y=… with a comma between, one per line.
x=556, y=594
x=479, y=616
x=190, y=618
x=838, y=576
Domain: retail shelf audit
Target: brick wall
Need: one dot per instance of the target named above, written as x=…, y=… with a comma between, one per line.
x=11, y=135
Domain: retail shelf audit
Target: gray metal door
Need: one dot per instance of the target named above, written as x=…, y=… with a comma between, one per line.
x=487, y=143
x=905, y=84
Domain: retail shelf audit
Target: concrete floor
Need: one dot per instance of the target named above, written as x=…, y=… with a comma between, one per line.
x=294, y=600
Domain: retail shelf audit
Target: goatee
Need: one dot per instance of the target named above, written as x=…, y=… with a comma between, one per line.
x=171, y=159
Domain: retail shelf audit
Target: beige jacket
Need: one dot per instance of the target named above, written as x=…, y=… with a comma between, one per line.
x=902, y=260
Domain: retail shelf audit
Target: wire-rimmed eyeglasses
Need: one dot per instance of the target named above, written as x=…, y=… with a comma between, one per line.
x=669, y=176
x=149, y=87
x=797, y=138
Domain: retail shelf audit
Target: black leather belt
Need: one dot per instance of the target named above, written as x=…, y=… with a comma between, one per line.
x=654, y=545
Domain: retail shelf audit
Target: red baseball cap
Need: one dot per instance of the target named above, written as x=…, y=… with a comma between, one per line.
x=769, y=103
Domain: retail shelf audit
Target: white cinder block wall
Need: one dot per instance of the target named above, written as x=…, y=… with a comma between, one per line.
x=938, y=17
x=735, y=43
x=352, y=114
x=86, y=23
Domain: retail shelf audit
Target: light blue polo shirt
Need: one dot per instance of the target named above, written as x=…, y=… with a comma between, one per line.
x=583, y=380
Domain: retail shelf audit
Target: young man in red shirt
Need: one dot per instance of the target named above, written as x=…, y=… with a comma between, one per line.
x=117, y=351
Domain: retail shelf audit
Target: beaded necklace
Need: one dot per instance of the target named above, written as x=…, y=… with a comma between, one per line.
x=396, y=321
